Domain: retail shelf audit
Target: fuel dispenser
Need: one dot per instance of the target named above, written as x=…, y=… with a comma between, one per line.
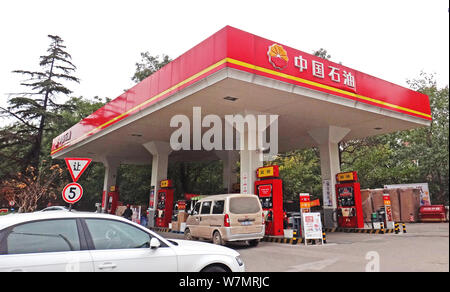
x=112, y=199
x=269, y=189
x=348, y=198
x=164, y=206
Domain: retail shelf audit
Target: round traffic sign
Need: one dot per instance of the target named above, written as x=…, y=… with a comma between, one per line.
x=72, y=193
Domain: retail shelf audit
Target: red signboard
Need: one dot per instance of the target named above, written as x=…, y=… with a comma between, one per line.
x=265, y=190
x=315, y=203
x=234, y=48
x=305, y=201
x=387, y=199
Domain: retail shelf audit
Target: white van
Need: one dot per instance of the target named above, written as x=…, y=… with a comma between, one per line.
x=225, y=218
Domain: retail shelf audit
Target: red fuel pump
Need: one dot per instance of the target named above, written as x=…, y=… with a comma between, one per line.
x=164, y=207
x=269, y=189
x=349, y=205
x=112, y=200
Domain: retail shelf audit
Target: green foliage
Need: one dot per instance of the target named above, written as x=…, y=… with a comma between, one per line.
x=148, y=65
x=300, y=172
x=200, y=177
x=35, y=109
x=414, y=156
x=92, y=180
x=134, y=183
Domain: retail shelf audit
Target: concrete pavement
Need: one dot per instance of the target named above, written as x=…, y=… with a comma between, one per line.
x=425, y=247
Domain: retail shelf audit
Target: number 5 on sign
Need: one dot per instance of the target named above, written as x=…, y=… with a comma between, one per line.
x=72, y=193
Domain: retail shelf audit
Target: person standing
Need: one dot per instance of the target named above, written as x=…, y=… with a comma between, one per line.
x=128, y=213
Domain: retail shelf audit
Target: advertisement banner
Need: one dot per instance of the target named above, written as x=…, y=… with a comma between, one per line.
x=326, y=189
x=312, y=226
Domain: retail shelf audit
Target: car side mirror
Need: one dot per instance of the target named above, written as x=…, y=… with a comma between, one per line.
x=154, y=243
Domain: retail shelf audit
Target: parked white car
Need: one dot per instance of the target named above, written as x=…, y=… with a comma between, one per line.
x=79, y=241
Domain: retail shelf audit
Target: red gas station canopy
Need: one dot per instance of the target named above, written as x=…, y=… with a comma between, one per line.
x=234, y=48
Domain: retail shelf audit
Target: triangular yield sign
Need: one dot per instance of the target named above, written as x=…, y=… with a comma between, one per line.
x=77, y=166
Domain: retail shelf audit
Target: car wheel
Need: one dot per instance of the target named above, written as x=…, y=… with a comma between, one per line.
x=217, y=238
x=214, y=269
x=188, y=235
x=253, y=242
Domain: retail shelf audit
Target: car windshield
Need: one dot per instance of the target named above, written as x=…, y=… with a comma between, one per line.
x=244, y=205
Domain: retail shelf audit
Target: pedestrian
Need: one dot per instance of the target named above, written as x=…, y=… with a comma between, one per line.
x=128, y=213
x=144, y=220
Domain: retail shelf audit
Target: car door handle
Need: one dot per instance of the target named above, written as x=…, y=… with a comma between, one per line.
x=17, y=270
x=107, y=265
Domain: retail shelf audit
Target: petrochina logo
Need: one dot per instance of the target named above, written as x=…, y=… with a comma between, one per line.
x=277, y=56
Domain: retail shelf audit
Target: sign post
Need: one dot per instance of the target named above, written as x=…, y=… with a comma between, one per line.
x=73, y=192
x=388, y=211
x=305, y=203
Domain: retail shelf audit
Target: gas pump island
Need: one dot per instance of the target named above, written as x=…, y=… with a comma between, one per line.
x=269, y=189
x=164, y=207
x=348, y=197
x=112, y=199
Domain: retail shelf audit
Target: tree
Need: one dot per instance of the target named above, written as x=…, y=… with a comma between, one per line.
x=412, y=156
x=31, y=189
x=322, y=53
x=300, y=172
x=34, y=109
x=148, y=65
x=77, y=108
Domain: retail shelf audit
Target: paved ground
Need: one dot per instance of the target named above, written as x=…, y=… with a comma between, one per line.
x=425, y=247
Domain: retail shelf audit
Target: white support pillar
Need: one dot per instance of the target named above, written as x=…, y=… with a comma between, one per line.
x=111, y=166
x=160, y=151
x=229, y=160
x=328, y=139
x=251, y=160
x=251, y=128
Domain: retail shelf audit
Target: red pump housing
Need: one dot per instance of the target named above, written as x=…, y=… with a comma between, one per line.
x=164, y=207
x=348, y=198
x=112, y=200
x=269, y=189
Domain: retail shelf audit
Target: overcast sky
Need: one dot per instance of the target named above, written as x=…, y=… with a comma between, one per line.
x=393, y=40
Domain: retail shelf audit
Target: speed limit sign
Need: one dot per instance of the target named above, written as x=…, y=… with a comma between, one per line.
x=72, y=193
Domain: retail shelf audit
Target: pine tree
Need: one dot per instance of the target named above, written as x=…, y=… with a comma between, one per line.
x=35, y=109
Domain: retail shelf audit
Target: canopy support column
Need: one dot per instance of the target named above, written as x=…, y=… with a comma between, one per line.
x=328, y=139
x=111, y=166
x=229, y=160
x=160, y=151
